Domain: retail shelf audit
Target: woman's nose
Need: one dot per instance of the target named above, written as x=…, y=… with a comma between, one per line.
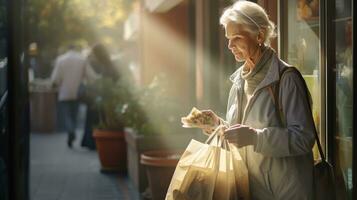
x=230, y=44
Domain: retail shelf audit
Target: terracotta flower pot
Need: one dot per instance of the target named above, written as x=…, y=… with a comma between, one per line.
x=111, y=147
x=160, y=166
x=139, y=143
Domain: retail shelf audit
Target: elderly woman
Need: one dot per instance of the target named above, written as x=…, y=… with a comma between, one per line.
x=276, y=147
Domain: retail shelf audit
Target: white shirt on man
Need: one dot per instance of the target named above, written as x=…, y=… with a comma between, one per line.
x=69, y=71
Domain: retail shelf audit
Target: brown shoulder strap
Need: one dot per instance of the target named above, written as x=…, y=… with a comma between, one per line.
x=271, y=92
x=274, y=93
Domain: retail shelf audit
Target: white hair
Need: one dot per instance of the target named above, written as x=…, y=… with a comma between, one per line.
x=252, y=17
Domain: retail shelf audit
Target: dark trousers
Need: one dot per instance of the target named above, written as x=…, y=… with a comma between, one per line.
x=92, y=119
x=69, y=111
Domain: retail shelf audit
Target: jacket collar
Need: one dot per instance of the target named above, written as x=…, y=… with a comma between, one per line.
x=272, y=76
x=236, y=77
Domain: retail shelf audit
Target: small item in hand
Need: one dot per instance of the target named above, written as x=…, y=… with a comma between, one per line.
x=198, y=119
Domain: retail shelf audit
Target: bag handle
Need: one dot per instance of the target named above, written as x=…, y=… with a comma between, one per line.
x=226, y=145
x=308, y=96
x=216, y=134
x=210, y=138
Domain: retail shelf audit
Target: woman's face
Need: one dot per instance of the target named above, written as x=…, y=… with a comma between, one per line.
x=240, y=42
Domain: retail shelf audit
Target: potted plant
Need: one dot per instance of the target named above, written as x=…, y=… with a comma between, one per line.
x=156, y=126
x=110, y=96
x=160, y=166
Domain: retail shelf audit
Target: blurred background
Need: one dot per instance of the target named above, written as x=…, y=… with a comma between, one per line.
x=152, y=62
x=92, y=92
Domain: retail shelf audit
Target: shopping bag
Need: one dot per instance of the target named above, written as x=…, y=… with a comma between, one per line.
x=82, y=93
x=225, y=185
x=324, y=181
x=195, y=174
x=240, y=174
x=205, y=171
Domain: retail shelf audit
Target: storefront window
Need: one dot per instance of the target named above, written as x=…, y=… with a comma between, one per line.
x=3, y=47
x=301, y=46
x=344, y=98
x=3, y=108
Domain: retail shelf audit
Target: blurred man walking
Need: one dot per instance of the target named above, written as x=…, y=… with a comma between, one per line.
x=70, y=68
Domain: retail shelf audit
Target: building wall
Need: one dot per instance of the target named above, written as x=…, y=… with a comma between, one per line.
x=165, y=47
x=214, y=63
x=271, y=7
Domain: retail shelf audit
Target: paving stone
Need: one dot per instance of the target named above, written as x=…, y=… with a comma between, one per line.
x=60, y=173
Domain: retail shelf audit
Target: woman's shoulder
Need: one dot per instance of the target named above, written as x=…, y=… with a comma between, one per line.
x=286, y=69
x=292, y=78
x=282, y=63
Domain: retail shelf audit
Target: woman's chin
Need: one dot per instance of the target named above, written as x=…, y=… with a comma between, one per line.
x=239, y=59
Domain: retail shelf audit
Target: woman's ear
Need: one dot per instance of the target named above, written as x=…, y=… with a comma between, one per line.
x=260, y=37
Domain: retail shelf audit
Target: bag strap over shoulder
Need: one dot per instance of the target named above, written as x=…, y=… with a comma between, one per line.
x=275, y=96
x=274, y=93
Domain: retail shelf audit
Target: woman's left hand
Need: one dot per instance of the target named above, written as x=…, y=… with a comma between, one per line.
x=241, y=135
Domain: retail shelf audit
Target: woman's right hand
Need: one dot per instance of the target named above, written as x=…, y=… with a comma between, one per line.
x=212, y=115
x=210, y=129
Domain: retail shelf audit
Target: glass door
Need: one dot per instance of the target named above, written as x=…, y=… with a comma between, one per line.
x=300, y=47
x=343, y=96
x=13, y=103
x=4, y=135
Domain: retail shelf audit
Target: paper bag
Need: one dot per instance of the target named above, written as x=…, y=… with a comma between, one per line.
x=206, y=171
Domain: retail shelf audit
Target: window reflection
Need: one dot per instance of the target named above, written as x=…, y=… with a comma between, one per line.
x=344, y=99
x=3, y=47
x=302, y=46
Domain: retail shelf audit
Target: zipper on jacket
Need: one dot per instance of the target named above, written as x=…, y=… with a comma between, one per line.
x=240, y=98
x=251, y=100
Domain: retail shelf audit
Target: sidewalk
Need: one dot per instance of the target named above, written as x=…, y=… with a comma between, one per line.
x=60, y=173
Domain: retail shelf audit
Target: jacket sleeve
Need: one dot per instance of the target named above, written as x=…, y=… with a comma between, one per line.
x=298, y=137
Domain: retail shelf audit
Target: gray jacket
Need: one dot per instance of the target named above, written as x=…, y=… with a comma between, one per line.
x=281, y=164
